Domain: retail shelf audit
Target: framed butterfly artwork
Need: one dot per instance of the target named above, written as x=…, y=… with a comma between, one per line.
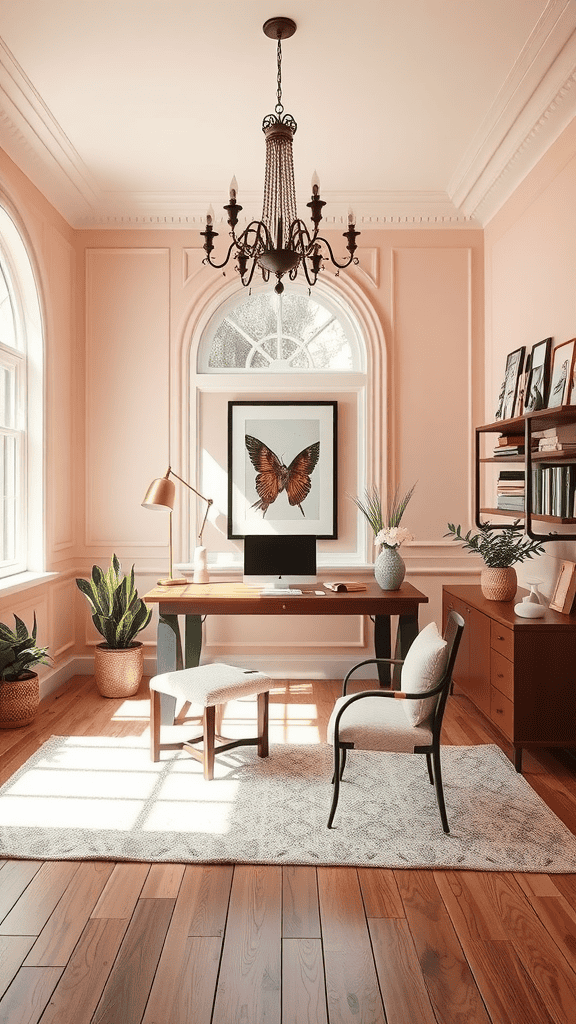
x=282, y=468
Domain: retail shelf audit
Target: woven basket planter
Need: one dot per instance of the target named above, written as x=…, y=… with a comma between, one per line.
x=19, y=701
x=499, y=584
x=118, y=673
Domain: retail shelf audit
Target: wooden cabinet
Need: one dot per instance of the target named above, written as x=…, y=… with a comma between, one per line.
x=520, y=673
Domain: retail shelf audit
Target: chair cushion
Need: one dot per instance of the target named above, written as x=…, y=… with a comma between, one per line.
x=211, y=684
x=423, y=667
x=378, y=723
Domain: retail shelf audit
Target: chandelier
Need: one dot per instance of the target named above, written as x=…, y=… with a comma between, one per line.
x=280, y=242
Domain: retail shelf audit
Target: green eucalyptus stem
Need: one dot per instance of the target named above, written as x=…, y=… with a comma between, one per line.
x=498, y=550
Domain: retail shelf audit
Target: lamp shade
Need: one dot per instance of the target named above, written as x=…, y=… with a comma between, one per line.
x=160, y=494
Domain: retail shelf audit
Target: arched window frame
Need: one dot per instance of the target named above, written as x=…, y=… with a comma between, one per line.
x=375, y=439
x=27, y=358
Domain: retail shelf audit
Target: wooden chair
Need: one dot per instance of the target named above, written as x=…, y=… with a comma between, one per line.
x=209, y=686
x=376, y=720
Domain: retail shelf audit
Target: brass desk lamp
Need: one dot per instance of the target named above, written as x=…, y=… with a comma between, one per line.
x=160, y=496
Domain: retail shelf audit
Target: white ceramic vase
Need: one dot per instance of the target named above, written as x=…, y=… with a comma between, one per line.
x=389, y=569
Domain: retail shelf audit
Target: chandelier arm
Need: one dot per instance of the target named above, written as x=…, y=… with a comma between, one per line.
x=218, y=266
x=341, y=266
x=262, y=240
x=300, y=234
x=248, y=282
x=311, y=280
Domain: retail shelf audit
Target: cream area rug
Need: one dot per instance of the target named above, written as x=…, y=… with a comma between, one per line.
x=99, y=798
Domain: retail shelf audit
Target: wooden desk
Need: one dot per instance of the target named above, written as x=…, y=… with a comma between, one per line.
x=235, y=598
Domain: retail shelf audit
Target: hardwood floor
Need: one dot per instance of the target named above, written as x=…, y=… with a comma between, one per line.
x=104, y=943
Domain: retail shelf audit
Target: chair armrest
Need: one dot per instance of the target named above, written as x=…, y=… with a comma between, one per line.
x=370, y=661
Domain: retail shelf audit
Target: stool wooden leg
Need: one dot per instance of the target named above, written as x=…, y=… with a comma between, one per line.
x=208, y=752
x=155, y=717
x=263, y=704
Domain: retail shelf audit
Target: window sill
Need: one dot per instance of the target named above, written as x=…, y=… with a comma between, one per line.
x=23, y=581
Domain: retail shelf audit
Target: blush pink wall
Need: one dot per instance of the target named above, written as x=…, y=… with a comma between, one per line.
x=530, y=250
x=119, y=306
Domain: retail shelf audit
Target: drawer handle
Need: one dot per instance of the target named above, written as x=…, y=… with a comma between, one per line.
x=499, y=637
x=499, y=711
x=500, y=675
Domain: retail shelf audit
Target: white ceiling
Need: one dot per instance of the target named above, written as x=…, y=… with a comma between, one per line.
x=138, y=112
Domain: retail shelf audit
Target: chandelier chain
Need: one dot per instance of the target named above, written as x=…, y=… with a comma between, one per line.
x=279, y=105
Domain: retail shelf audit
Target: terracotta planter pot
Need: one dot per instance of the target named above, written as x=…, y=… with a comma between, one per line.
x=118, y=673
x=19, y=701
x=499, y=584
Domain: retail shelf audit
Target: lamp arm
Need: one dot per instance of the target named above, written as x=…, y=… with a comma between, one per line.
x=209, y=501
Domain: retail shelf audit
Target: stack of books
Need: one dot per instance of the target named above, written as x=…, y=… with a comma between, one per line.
x=557, y=439
x=510, y=490
x=509, y=444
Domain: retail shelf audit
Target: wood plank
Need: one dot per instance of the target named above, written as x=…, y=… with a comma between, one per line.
x=403, y=990
x=559, y=920
x=16, y=876
x=448, y=978
x=351, y=981
x=28, y=994
x=31, y=912
x=249, y=986
x=566, y=885
x=126, y=992
x=537, y=951
x=122, y=890
x=380, y=893
x=300, y=913
x=464, y=895
x=537, y=885
x=77, y=993
x=304, y=993
x=57, y=939
x=185, y=982
x=13, y=950
x=163, y=882
x=508, y=992
x=203, y=898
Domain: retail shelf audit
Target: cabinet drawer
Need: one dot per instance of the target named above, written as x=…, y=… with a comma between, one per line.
x=502, y=674
x=502, y=639
x=502, y=713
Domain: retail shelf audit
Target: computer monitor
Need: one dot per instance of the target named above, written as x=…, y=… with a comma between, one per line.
x=274, y=561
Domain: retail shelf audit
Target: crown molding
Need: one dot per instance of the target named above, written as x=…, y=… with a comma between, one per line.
x=535, y=104
x=533, y=107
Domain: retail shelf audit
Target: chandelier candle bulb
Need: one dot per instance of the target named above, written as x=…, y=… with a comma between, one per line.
x=233, y=189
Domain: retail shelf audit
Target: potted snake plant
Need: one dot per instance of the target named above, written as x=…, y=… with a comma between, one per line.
x=119, y=615
x=19, y=685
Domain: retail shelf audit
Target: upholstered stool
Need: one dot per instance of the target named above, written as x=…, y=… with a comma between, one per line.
x=209, y=686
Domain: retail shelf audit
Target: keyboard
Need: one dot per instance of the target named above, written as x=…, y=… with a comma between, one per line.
x=275, y=592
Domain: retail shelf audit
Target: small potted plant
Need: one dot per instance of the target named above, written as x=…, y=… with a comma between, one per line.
x=19, y=685
x=389, y=567
x=500, y=551
x=119, y=615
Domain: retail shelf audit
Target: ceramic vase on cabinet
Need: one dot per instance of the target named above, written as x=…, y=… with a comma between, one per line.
x=389, y=569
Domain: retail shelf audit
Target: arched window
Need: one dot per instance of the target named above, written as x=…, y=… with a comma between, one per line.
x=327, y=344
x=20, y=407
x=292, y=332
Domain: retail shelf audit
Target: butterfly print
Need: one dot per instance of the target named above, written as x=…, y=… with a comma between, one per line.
x=274, y=477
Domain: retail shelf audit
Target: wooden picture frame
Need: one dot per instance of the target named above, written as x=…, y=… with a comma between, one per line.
x=536, y=394
x=562, y=373
x=282, y=468
x=509, y=391
x=563, y=597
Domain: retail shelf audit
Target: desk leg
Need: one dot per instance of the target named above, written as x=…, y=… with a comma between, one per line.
x=192, y=641
x=383, y=646
x=407, y=632
x=168, y=658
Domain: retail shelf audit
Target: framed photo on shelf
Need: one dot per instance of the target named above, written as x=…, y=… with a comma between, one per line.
x=563, y=597
x=522, y=388
x=536, y=394
x=282, y=468
x=562, y=373
x=509, y=390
